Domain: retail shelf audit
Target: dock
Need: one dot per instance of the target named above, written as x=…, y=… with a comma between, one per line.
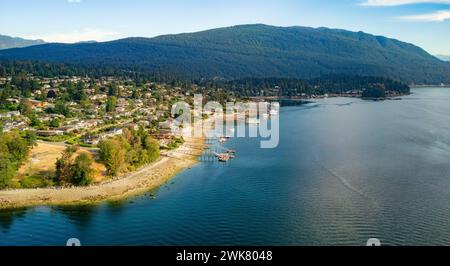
x=218, y=152
x=223, y=157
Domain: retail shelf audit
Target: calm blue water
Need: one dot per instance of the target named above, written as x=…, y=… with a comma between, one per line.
x=346, y=170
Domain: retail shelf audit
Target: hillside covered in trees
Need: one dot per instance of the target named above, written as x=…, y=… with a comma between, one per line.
x=7, y=42
x=260, y=51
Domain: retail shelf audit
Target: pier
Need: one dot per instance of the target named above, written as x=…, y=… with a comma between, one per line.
x=217, y=152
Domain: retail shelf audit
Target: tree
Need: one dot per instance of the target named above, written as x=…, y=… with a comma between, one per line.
x=374, y=92
x=71, y=90
x=111, y=104
x=34, y=85
x=54, y=123
x=139, y=146
x=151, y=146
x=135, y=94
x=62, y=109
x=63, y=165
x=51, y=94
x=113, y=90
x=13, y=152
x=77, y=172
x=26, y=93
x=79, y=95
x=16, y=145
x=81, y=170
x=25, y=107
x=35, y=121
x=112, y=154
x=7, y=171
x=31, y=138
x=5, y=93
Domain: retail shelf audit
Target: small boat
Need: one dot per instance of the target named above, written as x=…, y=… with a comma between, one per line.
x=223, y=139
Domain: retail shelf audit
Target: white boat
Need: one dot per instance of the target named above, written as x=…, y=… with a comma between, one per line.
x=275, y=110
x=224, y=139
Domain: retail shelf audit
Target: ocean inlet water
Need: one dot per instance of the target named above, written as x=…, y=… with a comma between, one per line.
x=346, y=170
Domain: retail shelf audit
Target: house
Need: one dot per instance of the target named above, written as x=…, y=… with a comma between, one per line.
x=20, y=125
x=68, y=128
x=147, y=111
x=10, y=114
x=38, y=104
x=144, y=123
x=121, y=109
x=99, y=97
x=12, y=101
x=94, y=140
x=49, y=133
x=160, y=114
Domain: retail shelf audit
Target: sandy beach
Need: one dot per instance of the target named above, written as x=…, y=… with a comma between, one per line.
x=146, y=178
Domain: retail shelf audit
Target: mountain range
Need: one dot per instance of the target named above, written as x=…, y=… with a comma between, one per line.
x=7, y=42
x=253, y=51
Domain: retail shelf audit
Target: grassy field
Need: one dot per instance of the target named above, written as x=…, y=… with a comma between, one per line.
x=40, y=168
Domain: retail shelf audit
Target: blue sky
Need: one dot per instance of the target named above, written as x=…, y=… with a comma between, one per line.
x=423, y=22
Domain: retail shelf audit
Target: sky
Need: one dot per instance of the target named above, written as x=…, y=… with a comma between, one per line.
x=425, y=23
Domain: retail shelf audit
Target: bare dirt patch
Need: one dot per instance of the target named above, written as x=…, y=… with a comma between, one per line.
x=42, y=162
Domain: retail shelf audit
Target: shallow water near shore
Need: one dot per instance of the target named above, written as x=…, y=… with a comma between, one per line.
x=346, y=170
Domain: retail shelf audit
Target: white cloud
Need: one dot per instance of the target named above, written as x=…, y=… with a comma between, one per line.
x=73, y=1
x=441, y=15
x=436, y=16
x=401, y=2
x=87, y=34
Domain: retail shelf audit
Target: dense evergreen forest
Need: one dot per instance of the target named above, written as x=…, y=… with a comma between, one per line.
x=51, y=70
x=246, y=87
x=251, y=51
x=287, y=87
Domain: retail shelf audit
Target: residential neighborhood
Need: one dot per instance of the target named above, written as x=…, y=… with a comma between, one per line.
x=84, y=111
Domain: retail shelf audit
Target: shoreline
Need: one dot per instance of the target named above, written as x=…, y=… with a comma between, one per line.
x=302, y=100
x=146, y=178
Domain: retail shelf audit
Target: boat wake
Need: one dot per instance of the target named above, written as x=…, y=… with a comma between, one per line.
x=342, y=180
x=346, y=183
